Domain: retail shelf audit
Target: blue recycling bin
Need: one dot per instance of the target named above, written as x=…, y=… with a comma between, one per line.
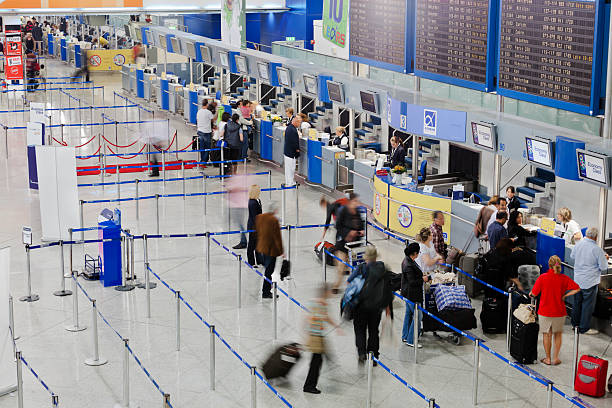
x=109, y=252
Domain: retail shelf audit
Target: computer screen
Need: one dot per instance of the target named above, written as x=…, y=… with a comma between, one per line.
x=224, y=59
x=264, y=71
x=369, y=101
x=206, y=56
x=484, y=135
x=593, y=167
x=284, y=77
x=191, y=53
x=241, y=64
x=539, y=151
x=176, y=45
x=335, y=91
x=162, y=41
x=310, y=84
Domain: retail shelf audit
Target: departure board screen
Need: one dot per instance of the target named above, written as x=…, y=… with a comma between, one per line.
x=451, y=38
x=378, y=31
x=547, y=48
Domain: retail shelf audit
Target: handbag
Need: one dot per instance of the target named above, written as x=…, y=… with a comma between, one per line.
x=525, y=313
x=195, y=142
x=285, y=269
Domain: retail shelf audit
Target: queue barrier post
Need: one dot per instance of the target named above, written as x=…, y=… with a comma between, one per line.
x=212, y=357
x=415, y=331
x=148, y=289
x=549, y=394
x=163, y=154
x=118, y=184
x=270, y=184
x=30, y=297
x=183, y=176
x=125, y=286
x=208, y=257
x=222, y=165
x=75, y=327
x=132, y=260
x=157, y=214
x=324, y=263
x=62, y=291
x=12, y=323
x=54, y=400
x=275, y=300
x=289, y=242
x=178, y=320
x=297, y=205
x=204, y=190
x=95, y=360
x=136, y=182
x=166, y=402
x=575, y=354
x=253, y=388
x=101, y=162
x=81, y=203
x=126, y=374
x=370, y=379
x=432, y=403
x=6, y=141
x=509, y=322
x=475, y=372
x=70, y=254
x=239, y=286
x=19, y=380
x=283, y=204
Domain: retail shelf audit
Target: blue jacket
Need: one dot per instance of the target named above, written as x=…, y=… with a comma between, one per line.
x=292, y=142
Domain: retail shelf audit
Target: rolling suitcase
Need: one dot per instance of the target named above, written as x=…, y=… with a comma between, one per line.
x=281, y=361
x=524, y=341
x=468, y=264
x=591, y=376
x=494, y=315
x=319, y=250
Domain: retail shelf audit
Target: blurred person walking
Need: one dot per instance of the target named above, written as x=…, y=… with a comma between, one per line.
x=238, y=201
x=269, y=244
x=253, y=257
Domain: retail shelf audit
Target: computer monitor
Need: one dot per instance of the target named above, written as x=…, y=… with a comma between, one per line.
x=176, y=45
x=241, y=64
x=263, y=70
x=335, y=91
x=539, y=151
x=162, y=42
x=484, y=135
x=191, y=52
x=593, y=167
x=284, y=76
x=206, y=55
x=369, y=101
x=224, y=59
x=310, y=84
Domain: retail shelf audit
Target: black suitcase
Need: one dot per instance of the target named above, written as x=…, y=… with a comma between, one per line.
x=468, y=264
x=281, y=361
x=524, y=341
x=603, y=304
x=494, y=315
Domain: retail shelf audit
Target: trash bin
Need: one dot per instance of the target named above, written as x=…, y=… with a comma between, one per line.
x=109, y=252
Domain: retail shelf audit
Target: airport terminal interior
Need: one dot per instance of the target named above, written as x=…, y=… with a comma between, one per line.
x=305, y=203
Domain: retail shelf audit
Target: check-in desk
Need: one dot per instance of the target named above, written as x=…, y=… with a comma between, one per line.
x=362, y=180
x=132, y=78
x=175, y=101
x=314, y=154
x=330, y=158
x=303, y=159
x=278, y=144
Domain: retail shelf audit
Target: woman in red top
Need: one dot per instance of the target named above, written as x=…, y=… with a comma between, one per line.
x=553, y=287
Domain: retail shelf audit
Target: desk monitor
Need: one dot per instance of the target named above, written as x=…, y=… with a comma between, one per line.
x=241, y=64
x=484, y=135
x=593, y=167
x=206, y=55
x=224, y=59
x=539, y=151
x=176, y=46
x=369, y=101
x=162, y=42
x=310, y=84
x=150, y=40
x=191, y=52
x=263, y=69
x=335, y=91
x=284, y=76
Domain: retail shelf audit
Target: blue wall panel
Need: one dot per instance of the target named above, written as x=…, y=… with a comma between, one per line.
x=253, y=30
x=206, y=25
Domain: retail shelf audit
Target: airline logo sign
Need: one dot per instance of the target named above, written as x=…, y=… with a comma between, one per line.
x=14, y=59
x=335, y=17
x=430, y=122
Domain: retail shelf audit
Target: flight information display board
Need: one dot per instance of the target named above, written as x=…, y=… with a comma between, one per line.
x=452, y=41
x=550, y=52
x=377, y=33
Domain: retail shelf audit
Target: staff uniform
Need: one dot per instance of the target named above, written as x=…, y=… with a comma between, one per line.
x=398, y=156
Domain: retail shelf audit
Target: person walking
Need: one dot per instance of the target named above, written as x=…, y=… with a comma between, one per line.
x=269, y=244
x=238, y=188
x=375, y=296
x=331, y=210
x=412, y=289
x=292, y=150
x=590, y=261
x=234, y=137
x=253, y=257
x=349, y=228
x=204, y=119
x=553, y=288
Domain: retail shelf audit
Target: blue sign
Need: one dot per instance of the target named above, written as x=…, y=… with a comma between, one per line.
x=430, y=122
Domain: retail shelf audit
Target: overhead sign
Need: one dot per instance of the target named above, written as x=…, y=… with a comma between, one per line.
x=109, y=60
x=335, y=21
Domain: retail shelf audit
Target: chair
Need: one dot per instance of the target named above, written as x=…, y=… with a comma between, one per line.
x=422, y=172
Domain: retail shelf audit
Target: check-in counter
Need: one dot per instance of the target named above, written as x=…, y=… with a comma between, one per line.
x=175, y=101
x=362, y=180
x=132, y=77
x=303, y=159
x=278, y=145
x=314, y=161
x=330, y=158
x=462, y=232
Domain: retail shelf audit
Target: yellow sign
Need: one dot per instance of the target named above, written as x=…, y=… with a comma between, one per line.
x=381, y=203
x=108, y=60
x=547, y=226
x=408, y=220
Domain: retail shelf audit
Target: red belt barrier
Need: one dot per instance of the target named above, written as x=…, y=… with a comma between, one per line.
x=121, y=147
x=172, y=165
x=127, y=157
x=87, y=142
x=94, y=153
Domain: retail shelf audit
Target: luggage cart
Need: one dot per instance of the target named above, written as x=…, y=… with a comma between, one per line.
x=92, y=269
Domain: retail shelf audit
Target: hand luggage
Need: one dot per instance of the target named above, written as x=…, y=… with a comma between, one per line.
x=494, y=315
x=468, y=264
x=319, y=250
x=524, y=341
x=281, y=361
x=451, y=297
x=591, y=376
x=603, y=304
x=527, y=275
x=285, y=271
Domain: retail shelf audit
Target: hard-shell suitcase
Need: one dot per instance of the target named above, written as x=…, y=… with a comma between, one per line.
x=281, y=361
x=591, y=375
x=494, y=315
x=527, y=275
x=468, y=264
x=524, y=341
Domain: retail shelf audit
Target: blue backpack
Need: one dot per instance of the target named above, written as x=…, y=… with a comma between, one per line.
x=350, y=300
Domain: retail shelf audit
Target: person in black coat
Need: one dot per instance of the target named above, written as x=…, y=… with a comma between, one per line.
x=516, y=232
x=513, y=202
x=398, y=153
x=412, y=289
x=255, y=209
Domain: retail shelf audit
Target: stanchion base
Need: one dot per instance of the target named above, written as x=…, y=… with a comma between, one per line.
x=62, y=293
x=75, y=328
x=152, y=285
x=125, y=288
x=95, y=363
x=68, y=276
x=31, y=298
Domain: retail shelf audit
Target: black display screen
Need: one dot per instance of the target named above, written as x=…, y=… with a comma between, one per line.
x=546, y=48
x=451, y=38
x=378, y=31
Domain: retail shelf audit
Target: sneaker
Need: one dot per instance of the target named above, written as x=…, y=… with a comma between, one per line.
x=240, y=246
x=312, y=390
x=419, y=345
x=592, y=332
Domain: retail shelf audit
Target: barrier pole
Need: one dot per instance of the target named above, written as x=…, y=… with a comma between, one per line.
x=30, y=297
x=575, y=356
x=137, y=200
x=125, y=287
x=166, y=396
x=509, y=322
x=222, y=165
x=19, y=380
x=415, y=331
x=95, y=360
x=71, y=264
x=212, y=357
x=81, y=203
x=432, y=403
x=324, y=266
x=126, y=374
x=178, y=320
x=370, y=379
x=275, y=301
x=239, y=288
x=205, y=190
x=148, y=289
x=75, y=308
x=283, y=204
x=289, y=242
x=163, y=154
x=253, y=388
x=297, y=205
x=6, y=141
x=270, y=184
x=101, y=162
x=54, y=401
x=183, y=175
x=475, y=372
x=12, y=323
x=208, y=257
x=118, y=184
x=549, y=395
x=62, y=291
x=132, y=260
x=157, y=213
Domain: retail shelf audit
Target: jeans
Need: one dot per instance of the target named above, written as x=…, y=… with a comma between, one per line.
x=366, y=324
x=313, y=372
x=408, y=329
x=270, y=264
x=245, y=143
x=204, y=140
x=237, y=216
x=584, y=304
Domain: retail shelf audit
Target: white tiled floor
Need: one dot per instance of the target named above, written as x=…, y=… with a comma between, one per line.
x=444, y=370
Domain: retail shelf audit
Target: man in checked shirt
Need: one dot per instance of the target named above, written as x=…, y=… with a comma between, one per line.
x=437, y=234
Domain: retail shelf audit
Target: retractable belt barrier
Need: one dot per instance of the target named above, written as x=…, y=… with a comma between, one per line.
x=110, y=183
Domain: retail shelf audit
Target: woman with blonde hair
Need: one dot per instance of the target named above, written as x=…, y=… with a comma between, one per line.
x=428, y=257
x=255, y=209
x=553, y=287
x=571, y=229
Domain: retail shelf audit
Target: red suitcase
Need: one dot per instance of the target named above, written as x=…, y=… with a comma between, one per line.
x=591, y=375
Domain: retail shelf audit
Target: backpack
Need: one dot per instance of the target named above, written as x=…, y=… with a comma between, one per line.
x=375, y=294
x=350, y=300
